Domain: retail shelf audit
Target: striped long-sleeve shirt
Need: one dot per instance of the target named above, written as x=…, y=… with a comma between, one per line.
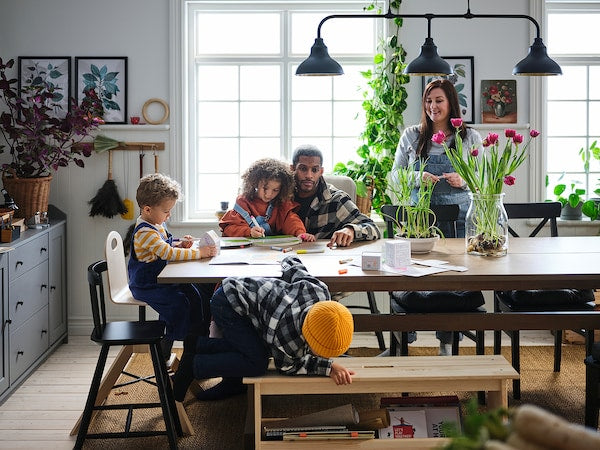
x=277, y=308
x=150, y=245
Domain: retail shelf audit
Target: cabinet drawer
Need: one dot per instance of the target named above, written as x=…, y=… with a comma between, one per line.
x=27, y=256
x=28, y=343
x=28, y=294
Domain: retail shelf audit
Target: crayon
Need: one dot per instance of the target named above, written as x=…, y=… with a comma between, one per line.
x=301, y=251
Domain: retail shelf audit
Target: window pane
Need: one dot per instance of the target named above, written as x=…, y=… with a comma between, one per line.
x=341, y=36
x=594, y=118
x=217, y=82
x=567, y=118
x=349, y=86
x=573, y=33
x=563, y=154
x=209, y=198
x=348, y=119
x=311, y=88
x=311, y=119
x=252, y=149
x=217, y=119
x=259, y=119
x=260, y=83
x=344, y=150
x=595, y=86
x=214, y=152
x=572, y=85
x=247, y=33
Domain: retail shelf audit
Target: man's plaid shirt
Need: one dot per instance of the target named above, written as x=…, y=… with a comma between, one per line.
x=331, y=210
x=277, y=307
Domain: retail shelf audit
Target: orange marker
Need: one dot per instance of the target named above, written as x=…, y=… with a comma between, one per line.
x=342, y=271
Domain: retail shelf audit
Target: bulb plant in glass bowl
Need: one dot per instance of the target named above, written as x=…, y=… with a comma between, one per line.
x=40, y=143
x=414, y=218
x=486, y=172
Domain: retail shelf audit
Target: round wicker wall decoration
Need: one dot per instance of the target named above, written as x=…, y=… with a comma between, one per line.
x=165, y=116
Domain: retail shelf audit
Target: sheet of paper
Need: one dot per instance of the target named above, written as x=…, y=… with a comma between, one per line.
x=439, y=263
x=413, y=271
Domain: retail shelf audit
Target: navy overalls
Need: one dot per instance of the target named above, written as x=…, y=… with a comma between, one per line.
x=262, y=220
x=184, y=307
x=444, y=194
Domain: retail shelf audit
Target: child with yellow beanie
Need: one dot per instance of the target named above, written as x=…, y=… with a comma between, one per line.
x=291, y=319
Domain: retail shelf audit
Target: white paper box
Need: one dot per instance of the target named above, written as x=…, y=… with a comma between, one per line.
x=371, y=261
x=397, y=253
x=210, y=238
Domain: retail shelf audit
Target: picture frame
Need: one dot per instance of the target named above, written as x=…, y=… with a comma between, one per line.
x=463, y=80
x=53, y=70
x=107, y=75
x=499, y=101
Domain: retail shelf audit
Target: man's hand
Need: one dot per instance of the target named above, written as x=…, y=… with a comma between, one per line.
x=341, y=238
x=340, y=374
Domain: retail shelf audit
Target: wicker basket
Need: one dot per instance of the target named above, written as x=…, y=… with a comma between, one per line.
x=364, y=203
x=29, y=194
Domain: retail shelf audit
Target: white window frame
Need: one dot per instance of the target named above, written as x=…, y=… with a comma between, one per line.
x=179, y=158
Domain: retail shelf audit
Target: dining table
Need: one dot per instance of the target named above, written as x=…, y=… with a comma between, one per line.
x=531, y=263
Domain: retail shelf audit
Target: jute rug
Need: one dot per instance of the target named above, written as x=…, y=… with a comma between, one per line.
x=220, y=425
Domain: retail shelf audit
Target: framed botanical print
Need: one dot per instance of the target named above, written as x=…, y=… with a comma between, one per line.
x=107, y=76
x=51, y=71
x=463, y=79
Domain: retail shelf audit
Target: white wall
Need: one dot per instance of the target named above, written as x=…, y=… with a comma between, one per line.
x=139, y=29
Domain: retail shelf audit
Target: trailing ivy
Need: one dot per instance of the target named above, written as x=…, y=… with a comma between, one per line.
x=384, y=104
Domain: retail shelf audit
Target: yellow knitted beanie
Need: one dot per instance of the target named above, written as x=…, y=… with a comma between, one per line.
x=328, y=328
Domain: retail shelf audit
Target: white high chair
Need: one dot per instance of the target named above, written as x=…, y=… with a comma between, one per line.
x=119, y=293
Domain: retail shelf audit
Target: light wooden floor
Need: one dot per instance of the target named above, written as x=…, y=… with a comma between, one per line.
x=42, y=411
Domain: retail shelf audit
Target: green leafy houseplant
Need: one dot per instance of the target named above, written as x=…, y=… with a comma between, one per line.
x=414, y=219
x=39, y=142
x=384, y=102
x=591, y=208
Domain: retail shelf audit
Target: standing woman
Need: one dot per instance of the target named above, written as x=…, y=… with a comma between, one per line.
x=440, y=104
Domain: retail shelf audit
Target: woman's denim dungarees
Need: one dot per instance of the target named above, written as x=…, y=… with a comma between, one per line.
x=185, y=308
x=444, y=194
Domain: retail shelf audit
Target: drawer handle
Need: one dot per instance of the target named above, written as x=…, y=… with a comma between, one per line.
x=20, y=302
x=43, y=286
x=44, y=332
x=6, y=322
x=43, y=249
x=52, y=288
x=19, y=263
x=20, y=353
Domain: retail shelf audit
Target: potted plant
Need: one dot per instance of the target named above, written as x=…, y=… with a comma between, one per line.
x=40, y=143
x=571, y=200
x=415, y=220
x=385, y=101
x=591, y=207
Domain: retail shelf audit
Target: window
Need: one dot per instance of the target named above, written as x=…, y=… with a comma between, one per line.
x=243, y=101
x=573, y=99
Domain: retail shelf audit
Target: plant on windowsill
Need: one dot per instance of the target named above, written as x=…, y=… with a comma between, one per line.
x=591, y=207
x=415, y=220
x=571, y=200
x=40, y=143
x=384, y=104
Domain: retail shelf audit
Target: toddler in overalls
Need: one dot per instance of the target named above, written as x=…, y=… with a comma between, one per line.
x=265, y=206
x=184, y=307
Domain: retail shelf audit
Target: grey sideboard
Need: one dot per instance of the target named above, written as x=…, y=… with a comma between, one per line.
x=34, y=300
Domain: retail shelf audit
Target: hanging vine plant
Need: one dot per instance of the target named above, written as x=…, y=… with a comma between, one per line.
x=384, y=104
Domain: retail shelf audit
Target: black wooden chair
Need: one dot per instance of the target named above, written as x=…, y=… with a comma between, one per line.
x=592, y=387
x=433, y=301
x=539, y=300
x=123, y=333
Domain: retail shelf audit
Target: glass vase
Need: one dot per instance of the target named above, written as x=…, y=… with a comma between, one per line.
x=486, y=225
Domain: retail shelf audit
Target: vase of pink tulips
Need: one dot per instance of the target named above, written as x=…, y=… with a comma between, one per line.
x=486, y=171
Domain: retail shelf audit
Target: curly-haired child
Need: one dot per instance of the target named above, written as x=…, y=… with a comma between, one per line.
x=265, y=206
x=184, y=307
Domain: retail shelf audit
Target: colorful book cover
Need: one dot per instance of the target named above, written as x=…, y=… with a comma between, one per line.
x=405, y=423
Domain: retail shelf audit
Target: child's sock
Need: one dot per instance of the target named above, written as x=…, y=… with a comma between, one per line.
x=226, y=388
x=185, y=372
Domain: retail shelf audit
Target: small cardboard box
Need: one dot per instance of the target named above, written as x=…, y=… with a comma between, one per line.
x=10, y=234
x=371, y=261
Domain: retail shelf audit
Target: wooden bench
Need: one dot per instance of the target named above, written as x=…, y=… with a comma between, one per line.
x=489, y=373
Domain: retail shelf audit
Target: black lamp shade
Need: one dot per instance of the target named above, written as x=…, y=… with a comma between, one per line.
x=537, y=62
x=319, y=62
x=428, y=62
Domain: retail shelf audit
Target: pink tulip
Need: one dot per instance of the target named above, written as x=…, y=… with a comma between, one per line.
x=509, y=133
x=492, y=138
x=534, y=133
x=456, y=123
x=439, y=137
x=509, y=180
x=517, y=138
x=474, y=152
